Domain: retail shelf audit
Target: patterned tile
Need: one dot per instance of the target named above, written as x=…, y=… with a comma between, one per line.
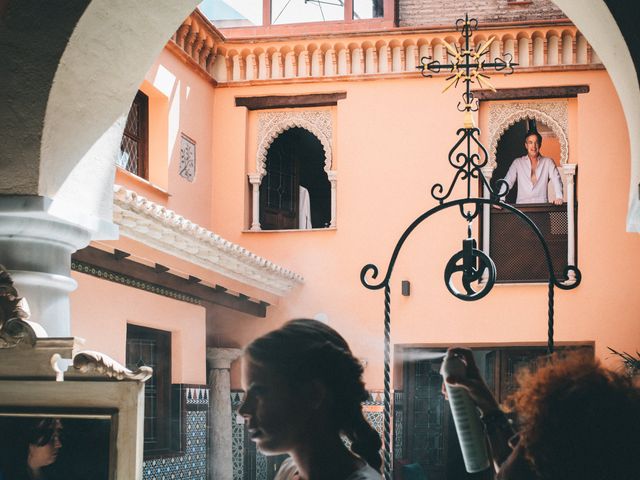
x=237, y=437
x=192, y=464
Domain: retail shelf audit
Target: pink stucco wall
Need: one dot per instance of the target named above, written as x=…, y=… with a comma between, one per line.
x=390, y=144
x=180, y=102
x=100, y=311
x=391, y=136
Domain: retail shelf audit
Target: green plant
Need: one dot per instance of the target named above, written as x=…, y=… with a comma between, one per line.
x=631, y=363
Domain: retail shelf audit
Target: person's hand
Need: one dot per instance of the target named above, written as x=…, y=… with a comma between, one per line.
x=557, y=201
x=472, y=381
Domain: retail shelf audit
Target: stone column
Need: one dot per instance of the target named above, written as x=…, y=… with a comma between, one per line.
x=255, y=179
x=220, y=453
x=569, y=170
x=36, y=248
x=332, y=175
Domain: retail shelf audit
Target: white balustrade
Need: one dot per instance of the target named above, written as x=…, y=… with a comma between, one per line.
x=301, y=58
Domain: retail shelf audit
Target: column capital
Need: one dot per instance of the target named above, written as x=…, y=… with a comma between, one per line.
x=221, y=358
x=255, y=178
x=487, y=171
x=569, y=168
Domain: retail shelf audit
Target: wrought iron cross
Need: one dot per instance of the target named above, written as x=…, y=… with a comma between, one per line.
x=468, y=64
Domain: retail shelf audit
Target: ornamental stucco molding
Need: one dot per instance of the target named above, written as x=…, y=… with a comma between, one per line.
x=89, y=361
x=553, y=114
x=272, y=124
x=154, y=225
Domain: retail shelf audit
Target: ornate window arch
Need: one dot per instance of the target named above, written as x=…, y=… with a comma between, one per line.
x=553, y=114
x=270, y=126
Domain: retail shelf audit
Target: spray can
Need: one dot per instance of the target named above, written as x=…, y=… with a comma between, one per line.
x=465, y=417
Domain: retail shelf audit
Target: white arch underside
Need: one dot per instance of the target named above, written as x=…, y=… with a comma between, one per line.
x=504, y=115
x=272, y=124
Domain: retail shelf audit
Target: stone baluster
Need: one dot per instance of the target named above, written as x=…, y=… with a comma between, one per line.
x=303, y=64
x=383, y=59
x=370, y=62
x=356, y=62
x=553, y=47
x=250, y=72
x=276, y=65
x=329, y=63
x=205, y=53
x=198, y=45
x=181, y=34
x=236, y=74
x=190, y=40
x=342, y=62
x=567, y=49
x=263, y=66
x=411, y=58
x=220, y=456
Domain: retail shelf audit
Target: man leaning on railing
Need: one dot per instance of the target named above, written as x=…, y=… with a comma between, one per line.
x=533, y=172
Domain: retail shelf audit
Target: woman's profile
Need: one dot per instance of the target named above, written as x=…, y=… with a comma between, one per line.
x=304, y=390
x=33, y=448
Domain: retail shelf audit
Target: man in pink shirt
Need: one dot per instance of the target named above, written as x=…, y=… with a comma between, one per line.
x=533, y=173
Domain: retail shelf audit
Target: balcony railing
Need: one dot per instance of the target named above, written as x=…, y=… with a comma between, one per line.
x=516, y=250
x=555, y=46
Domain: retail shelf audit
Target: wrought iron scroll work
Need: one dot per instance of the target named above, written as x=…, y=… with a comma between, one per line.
x=467, y=65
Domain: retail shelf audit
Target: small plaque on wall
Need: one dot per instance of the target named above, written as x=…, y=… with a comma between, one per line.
x=187, y=158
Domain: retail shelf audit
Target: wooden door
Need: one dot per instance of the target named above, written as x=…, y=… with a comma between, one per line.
x=427, y=415
x=279, y=190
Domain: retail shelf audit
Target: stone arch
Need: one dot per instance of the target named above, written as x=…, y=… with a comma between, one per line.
x=272, y=124
x=553, y=114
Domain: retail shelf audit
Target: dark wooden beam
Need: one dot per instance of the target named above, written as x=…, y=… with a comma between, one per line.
x=119, y=254
x=568, y=91
x=160, y=268
x=161, y=277
x=290, y=101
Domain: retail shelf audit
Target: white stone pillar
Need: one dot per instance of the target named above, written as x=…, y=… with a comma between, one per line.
x=487, y=171
x=220, y=438
x=569, y=170
x=332, y=175
x=255, y=179
x=36, y=248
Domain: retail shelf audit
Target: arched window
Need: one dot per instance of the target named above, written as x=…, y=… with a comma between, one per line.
x=295, y=192
x=513, y=247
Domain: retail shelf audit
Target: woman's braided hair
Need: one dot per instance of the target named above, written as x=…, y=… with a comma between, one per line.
x=303, y=350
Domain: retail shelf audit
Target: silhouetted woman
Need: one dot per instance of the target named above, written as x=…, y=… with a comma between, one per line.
x=303, y=390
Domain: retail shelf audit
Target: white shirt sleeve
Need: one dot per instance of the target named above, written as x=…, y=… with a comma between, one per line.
x=556, y=180
x=511, y=176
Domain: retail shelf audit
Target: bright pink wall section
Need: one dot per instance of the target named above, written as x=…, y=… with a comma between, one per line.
x=100, y=311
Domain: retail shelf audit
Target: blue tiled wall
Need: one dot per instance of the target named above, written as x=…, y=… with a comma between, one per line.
x=192, y=464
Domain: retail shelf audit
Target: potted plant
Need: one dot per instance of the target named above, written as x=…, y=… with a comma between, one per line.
x=631, y=364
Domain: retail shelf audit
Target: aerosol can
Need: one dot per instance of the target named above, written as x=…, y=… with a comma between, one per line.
x=465, y=417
